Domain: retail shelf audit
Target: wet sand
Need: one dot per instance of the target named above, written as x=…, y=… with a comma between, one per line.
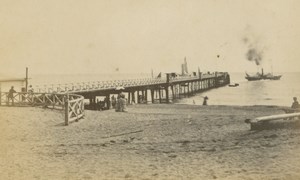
x=149, y=142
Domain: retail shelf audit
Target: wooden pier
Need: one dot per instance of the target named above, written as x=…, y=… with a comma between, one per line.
x=149, y=90
x=70, y=97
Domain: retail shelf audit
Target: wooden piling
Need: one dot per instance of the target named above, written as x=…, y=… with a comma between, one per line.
x=167, y=94
x=107, y=101
x=0, y=96
x=173, y=94
x=128, y=100
x=132, y=97
x=152, y=95
x=66, y=109
x=138, y=97
x=159, y=95
x=146, y=96
x=26, y=79
x=188, y=89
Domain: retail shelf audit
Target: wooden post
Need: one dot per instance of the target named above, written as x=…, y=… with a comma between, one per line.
x=143, y=96
x=216, y=80
x=138, y=97
x=180, y=90
x=152, y=96
x=159, y=95
x=177, y=90
x=167, y=93
x=146, y=96
x=0, y=96
x=173, y=94
x=107, y=101
x=128, y=100
x=26, y=79
x=188, y=89
x=66, y=109
x=132, y=97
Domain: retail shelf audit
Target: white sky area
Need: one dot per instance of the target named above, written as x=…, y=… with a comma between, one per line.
x=98, y=36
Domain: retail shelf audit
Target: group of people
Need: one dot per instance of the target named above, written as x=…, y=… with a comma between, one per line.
x=119, y=103
x=10, y=96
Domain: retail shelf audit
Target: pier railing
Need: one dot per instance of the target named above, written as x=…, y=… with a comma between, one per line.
x=72, y=104
x=97, y=85
x=112, y=84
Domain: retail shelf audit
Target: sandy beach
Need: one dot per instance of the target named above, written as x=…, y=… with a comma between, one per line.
x=149, y=142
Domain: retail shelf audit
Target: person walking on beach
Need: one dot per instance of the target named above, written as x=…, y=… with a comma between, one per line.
x=122, y=102
x=117, y=106
x=295, y=106
x=11, y=95
x=205, y=101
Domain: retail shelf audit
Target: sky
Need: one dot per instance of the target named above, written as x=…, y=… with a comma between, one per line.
x=135, y=36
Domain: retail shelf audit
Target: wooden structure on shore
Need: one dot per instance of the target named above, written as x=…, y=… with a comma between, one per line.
x=70, y=97
x=154, y=90
x=71, y=104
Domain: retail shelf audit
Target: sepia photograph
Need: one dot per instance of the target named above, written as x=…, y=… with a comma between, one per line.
x=149, y=89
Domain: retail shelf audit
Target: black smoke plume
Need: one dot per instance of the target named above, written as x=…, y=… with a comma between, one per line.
x=254, y=51
x=254, y=55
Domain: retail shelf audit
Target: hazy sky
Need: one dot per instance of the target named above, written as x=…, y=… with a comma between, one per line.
x=94, y=36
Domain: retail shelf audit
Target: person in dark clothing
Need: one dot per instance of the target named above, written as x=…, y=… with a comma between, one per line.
x=11, y=95
x=113, y=101
x=205, y=101
x=295, y=104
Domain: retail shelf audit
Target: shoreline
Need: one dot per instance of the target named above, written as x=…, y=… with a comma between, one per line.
x=153, y=141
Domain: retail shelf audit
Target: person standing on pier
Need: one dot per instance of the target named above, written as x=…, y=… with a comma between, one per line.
x=30, y=89
x=11, y=95
x=205, y=101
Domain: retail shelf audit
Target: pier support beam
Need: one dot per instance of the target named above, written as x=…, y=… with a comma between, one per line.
x=128, y=100
x=173, y=94
x=132, y=97
x=188, y=89
x=167, y=94
x=159, y=95
x=146, y=96
x=152, y=96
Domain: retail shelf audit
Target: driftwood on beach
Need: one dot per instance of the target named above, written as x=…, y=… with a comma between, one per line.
x=276, y=121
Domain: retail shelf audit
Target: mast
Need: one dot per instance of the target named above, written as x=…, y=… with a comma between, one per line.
x=26, y=79
x=272, y=69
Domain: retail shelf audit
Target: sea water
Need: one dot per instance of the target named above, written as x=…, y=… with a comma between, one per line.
x=263, y=92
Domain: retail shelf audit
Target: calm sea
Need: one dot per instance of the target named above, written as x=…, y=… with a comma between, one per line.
x=265, y=92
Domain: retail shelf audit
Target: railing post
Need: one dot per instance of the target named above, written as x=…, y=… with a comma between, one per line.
x=66, y=109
